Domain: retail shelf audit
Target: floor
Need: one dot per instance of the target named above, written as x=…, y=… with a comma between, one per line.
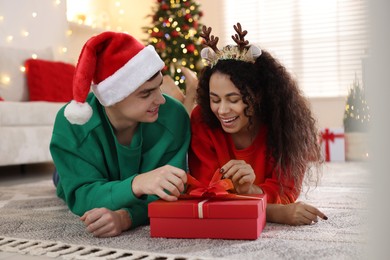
x=19, y=175
x=26, y=174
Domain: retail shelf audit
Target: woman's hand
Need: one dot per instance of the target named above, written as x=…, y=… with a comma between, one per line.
x=294, y=214
x=167, y=182
x=102, y=222
x=242, y=175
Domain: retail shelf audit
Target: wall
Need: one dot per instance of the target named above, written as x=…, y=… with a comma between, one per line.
x=329, y=112
x=80, y=34
x=47, y=29
x=213, y=12
x=134, y=17
x=50, y=28
x=131, y=20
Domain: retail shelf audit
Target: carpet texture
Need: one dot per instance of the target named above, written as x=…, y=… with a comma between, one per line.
x=31, y=214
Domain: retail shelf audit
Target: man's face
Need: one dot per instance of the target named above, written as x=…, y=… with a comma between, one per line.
x=142, y=105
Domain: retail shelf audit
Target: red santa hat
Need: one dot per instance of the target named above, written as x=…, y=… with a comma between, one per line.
x=116, y=64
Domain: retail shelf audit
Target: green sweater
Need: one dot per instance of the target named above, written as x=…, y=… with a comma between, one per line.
x=96, y=171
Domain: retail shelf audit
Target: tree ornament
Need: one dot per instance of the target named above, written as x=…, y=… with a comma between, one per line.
x=187, y=16
x=161, y=45
x=190, y=48
x=164, y=7
x=175, y=33
x=185, y=27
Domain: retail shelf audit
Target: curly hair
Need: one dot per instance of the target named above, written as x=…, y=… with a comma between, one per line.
x=271, y=92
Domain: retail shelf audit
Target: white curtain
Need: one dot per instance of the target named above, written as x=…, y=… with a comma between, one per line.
x=322, y=43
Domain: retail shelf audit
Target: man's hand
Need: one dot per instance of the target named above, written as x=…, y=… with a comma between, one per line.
x=102, y=222
x=167, y=182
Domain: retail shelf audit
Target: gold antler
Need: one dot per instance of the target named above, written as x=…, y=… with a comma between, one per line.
x=239, y=36
x=211, y=41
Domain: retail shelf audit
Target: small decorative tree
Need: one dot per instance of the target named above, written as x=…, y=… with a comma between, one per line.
x=175, y=35
x=357, y=113
x=356, y=124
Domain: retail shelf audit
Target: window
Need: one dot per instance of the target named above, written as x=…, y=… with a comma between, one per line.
x=322, y=43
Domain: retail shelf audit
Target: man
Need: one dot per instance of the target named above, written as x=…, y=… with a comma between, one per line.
x=125, y=144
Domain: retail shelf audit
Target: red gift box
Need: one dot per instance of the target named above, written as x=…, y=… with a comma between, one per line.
x=208, y=218
x=209, y=211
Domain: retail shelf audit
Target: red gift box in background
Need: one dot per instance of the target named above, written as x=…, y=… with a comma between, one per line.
x=333, y=144
x=209, y=218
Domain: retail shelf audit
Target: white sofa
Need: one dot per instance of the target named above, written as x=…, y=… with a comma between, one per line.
x=25, y=131
x=25, y=126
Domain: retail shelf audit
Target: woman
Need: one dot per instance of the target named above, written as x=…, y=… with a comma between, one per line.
x=253, y=123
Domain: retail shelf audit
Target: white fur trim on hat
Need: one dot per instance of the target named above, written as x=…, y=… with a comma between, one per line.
x=78, y=113
x=128, y=78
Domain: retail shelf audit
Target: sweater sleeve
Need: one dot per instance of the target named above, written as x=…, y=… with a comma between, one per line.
x=202, y=155
x=181, y=136
x=82, y=183
x=282, y=191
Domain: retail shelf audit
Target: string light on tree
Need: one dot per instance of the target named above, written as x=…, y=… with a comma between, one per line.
x=175, y=35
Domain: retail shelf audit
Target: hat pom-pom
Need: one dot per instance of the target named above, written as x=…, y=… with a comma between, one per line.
x=78, y=113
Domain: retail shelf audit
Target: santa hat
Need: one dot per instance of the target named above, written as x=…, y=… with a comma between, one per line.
x=116, y=64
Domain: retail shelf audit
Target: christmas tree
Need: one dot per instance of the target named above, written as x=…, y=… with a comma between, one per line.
x=175, y=35
x=357, y=113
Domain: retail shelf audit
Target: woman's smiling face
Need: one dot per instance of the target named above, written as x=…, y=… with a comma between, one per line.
x=227, y=104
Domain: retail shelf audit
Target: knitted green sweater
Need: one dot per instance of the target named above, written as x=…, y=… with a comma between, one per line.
x=96, y=171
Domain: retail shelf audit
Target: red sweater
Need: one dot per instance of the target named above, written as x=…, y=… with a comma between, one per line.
x=212, y=148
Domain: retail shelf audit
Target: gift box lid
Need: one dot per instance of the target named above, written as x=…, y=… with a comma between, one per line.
x=209, y=208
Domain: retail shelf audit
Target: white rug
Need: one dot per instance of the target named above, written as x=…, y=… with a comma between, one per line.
x=34, y=221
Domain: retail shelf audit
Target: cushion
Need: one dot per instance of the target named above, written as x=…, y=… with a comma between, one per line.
x=49, y=80
x=13, y=85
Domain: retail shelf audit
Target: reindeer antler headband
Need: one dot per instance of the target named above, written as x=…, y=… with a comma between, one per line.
x=242, y=51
